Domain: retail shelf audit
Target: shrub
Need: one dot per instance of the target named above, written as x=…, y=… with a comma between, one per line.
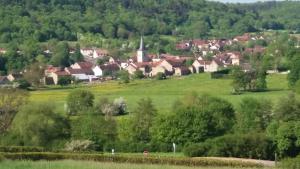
x=14, y=149
x=65, y=80
x=1, y=157
x=80, y=146
x=160, y=76
x=182, y=161
x=290, y=163
x=256, y=146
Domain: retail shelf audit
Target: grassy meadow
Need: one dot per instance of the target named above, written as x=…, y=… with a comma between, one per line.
x=90, y=165
x=165, y=92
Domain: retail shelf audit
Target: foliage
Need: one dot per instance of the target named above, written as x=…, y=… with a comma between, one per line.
x=256, y=146
x=1, y=157
x=61, y=55
x=195, y=119
x=79, y=100
x=142, y=121
x=38, y=125
x=294, y=74
x=16, y=149
x=34, y=74
x=80, y=146
x=65, y=80
x=95, y=128
x=10, y=102
x=138, y=74
x=106, y=107
x=253, y=115
x=290, y=163
x=23, y=84
x=287, y=137
x=251, y=80
x=131, y=159
x=160, y=76
x=124, y=76
x=288, y=104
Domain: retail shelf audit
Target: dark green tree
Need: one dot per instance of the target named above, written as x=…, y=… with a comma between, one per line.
x=79, y=101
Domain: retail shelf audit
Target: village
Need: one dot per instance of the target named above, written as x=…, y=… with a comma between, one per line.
x=209, y=56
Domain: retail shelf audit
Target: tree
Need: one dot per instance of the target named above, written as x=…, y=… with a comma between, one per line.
x=194, y=119
x=77, y=56
x=138, y=74
x=38, y=125
x=61, y=55
x=287, y=109
x=253, y=115
x=124, y=76
x=79, y=100
x=34, y=74
x=142, y=121
x=294, y=74
x=286, y=136
x=239, y=81
x=94, y=127
x=65, y=80
x=10, y=102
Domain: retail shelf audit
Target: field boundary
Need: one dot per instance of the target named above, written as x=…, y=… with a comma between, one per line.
x=182, y=161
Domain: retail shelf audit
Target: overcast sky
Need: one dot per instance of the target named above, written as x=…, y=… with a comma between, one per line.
x=243, y=1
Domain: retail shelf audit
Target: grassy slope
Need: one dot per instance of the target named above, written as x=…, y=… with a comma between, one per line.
x=87, y=165
x=164, y=93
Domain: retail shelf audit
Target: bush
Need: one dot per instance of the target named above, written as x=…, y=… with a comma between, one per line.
x=65, y=80
x=80, y=146
x=182, y=161
x=14, y=149
x=160, y=76
x=256, y=146
x=220, y=74
x=1, y=158
x=290, y=163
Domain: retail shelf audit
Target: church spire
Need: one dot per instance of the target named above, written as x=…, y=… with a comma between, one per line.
x=142, y=44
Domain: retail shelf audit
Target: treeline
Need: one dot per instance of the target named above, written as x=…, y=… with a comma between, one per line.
x=43, y=20
x=198, y=125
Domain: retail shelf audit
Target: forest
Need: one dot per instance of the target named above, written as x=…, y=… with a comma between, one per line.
x=42, y=20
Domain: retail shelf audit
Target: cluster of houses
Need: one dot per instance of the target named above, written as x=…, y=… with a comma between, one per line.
x=150, y=65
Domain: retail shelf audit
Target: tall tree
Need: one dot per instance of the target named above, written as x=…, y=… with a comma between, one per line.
x=142, y=121
x=61, y=55
x=79, y=100
x=10, y=102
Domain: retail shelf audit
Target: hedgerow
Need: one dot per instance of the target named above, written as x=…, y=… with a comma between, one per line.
x=126, y=159
x=14, y=149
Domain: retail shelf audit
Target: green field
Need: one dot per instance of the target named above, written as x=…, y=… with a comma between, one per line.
x=89, y=165
x=164, y=93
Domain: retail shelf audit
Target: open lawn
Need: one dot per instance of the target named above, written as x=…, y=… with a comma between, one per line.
x=165, y=92
x=89, y=165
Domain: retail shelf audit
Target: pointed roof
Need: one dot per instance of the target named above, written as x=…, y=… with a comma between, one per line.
x=141, y=44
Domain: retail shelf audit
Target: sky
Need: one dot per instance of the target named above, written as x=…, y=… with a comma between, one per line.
x=243, y=1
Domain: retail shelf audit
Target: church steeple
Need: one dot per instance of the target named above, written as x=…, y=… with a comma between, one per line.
x=141, y=55
x=141, y=44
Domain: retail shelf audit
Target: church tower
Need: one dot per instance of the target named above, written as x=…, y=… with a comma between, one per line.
x=141, y=55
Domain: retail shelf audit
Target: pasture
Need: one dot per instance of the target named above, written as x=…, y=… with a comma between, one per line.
x=164, y=92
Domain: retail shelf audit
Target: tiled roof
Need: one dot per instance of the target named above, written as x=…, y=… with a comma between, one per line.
x=85, y=65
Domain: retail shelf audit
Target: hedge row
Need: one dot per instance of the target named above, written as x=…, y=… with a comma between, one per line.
x=126, y=159
x=15, y=149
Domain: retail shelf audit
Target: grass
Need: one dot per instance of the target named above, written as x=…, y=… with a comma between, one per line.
x=68, y=164
x=164, y=93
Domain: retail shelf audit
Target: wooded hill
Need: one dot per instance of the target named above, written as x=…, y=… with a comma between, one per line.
x=43, y=20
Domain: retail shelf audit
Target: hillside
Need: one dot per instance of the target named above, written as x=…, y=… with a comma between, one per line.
x=43, y=20
x=164, y=93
